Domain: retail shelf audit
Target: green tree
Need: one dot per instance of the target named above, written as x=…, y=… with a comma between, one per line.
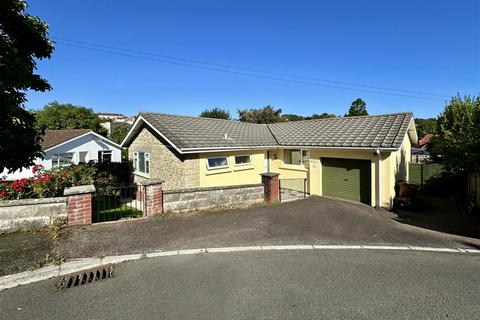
x=357, y=108
x=457, y=139
x=266, y=114
x=292, y=117
x=23, y=40
x=119, y=133
x=216, y=113
x=425, y=126
x=57, y=116
x=322, y=116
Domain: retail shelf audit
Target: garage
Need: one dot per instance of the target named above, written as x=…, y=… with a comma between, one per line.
x=347, y=179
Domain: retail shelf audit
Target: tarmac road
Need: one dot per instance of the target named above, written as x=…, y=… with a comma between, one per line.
x=290, y=284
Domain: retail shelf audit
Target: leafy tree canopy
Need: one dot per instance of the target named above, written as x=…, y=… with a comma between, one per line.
x=216, y=113
x=322, y=116
x=425, y=126
x=357, y=108
x=57, y=116
x=294, y=117
x=266, y=114
x=457, y=139
x=23, y=40
x=119, y=133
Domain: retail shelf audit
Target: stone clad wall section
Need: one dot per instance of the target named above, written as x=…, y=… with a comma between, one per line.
x=183, y=200
x=31, y=213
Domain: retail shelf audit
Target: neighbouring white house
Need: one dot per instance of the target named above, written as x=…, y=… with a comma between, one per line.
x=66, y=147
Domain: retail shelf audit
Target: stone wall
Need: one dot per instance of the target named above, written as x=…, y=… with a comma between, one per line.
x=205, y=198
x=178, y=171
x=31, y=213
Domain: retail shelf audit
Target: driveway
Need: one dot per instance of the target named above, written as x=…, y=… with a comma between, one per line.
x=303, y=284
x=315, y=220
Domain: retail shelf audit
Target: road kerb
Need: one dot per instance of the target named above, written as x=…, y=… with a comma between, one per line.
x=78, y=265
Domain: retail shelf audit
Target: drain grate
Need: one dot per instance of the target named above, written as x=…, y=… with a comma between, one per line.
x=84, y=277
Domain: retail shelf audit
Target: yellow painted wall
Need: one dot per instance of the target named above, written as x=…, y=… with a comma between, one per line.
x=287, y=171
x=234, y=174
x=317, y=154
x=398, y=167
x=394, y=168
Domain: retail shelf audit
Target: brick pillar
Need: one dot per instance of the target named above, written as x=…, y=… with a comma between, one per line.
x=153, y=197
x=271, y=186
x=79, y=205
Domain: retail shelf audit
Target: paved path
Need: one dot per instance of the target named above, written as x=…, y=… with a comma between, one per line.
x=294, y=284
x=314, y=220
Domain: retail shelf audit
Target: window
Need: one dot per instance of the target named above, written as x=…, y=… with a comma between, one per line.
x=242, y=160
x=82, y=156
x=105, y=156
x=62, y=159
x=296, y=156
x=217, y=162
x=141, y=162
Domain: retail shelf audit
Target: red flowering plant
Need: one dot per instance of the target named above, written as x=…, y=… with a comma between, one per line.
x=42, y=184
x=51, y=183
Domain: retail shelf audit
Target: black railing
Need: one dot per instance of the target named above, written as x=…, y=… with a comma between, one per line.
x=115, y=203
x=292, y=189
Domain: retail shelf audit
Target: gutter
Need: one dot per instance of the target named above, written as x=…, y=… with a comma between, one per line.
x=209, y=149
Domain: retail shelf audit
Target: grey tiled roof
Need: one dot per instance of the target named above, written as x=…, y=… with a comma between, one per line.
x=195, y=132
x=187, y=133
x=384, y=131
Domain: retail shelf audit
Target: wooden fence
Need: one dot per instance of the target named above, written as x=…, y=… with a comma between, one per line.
x=474, y=188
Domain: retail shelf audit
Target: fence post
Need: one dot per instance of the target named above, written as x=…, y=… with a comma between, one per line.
x=153, y=196
x=421, y=176
x=271, y=186
x=79, y=205
x=304, y=188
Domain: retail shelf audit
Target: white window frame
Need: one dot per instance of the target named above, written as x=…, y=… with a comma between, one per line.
x=146, y=164
x=80, y=155
x=219, y=167
x=302, y=163
x=101, y=155
x=57, y=164
x=243, y=164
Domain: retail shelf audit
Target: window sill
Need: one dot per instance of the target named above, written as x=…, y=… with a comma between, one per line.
x=293, y=167
x=243, y=167
x=141, y=174
x=217, y=171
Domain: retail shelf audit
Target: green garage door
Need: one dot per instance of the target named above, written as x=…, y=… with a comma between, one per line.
x=347, y=178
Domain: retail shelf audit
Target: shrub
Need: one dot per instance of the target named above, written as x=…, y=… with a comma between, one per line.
x=51, y=183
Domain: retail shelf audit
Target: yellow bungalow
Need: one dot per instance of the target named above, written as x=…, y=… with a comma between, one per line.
x=355, y=158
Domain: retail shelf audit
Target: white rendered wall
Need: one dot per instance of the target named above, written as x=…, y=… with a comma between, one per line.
x=89, y=143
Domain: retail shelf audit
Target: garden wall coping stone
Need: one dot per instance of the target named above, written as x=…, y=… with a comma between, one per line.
x=26, y=202
x=270, y=174
x=150, y=182
x=79, y=190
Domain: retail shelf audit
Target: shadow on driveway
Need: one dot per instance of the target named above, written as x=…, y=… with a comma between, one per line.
x=441, y=215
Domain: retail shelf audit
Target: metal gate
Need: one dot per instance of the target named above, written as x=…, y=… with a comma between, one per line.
x=292, y=189
x=116, y=203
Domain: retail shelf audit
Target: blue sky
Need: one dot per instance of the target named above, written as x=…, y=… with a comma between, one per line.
x=429, y=46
